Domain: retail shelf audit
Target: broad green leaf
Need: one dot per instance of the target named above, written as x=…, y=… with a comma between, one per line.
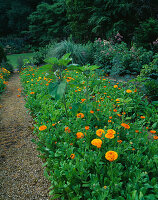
x=93, y=67
x=53, y=89
x=52, y=60
x=45, y=68
x=60, y=90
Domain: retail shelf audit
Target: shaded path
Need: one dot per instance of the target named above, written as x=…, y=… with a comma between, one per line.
x=21, y=172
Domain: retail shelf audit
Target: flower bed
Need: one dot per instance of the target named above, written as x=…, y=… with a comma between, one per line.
x=95, y=141
x=4, y=75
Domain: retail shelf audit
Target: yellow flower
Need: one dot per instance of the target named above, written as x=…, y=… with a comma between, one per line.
x=111, y=131
x=80, y=115
x=87, y=127
x=111, y=155
x=43, y=127
x=79, y=135
x=129, y=91
x=99, y=132
x=125, y=126
x=115, y=86
x=96, y=142
x=109, y=135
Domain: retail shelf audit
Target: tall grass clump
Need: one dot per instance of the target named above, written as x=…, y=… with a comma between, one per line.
x=80, y=53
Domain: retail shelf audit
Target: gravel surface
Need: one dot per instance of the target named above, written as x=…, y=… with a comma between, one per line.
x=21, y=172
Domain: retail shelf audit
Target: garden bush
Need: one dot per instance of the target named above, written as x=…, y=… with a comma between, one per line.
x=100, y=149
x=4, y=76
x=149, y=79
x=2, y=55
x=7, y=66
x=118, y=59
x=81, y=53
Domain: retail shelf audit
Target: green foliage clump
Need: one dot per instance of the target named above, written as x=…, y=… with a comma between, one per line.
x=149, y=74
x=47, y=22
x=7, y=66
x=4, y=76
x=2, y=55
x=76, y=167
x=40, y=55
x=119, y=59
x=146, y=33
x=80, y=53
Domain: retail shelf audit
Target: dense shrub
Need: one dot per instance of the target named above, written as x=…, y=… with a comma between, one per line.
x=4, y=76
x=113, y=113
x=150, y=73
x=81, y=53
x=118, y=59
x=7, y=66
x=2, y=55
x=40, y=55
x=146, y=33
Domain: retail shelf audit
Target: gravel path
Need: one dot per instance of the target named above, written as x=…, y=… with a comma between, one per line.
x=21, y=172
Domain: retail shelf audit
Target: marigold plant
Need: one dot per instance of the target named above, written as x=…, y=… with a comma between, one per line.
x=97, y=142
x=111, y=156
x=99, y=132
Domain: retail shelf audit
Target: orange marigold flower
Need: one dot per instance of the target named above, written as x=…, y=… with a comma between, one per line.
x=125, y=126
x=142, y=117
x=43, y=127
x=115, y=86
x=72, y=156
x=99, y=132
x=92, y=111
x=32, y=93
x=152, y=131
x=129, y=91
x=109, y=121
x=136, y=131
x=147, y=127
x=119, y=115
x=155, y=137
x=80, y=115
x=18, y=95
x=109, y=135
x=87, y=127
x=115, y=110
x=135, y=90
x=111, y=131
x=71, y=144
x=110, y=117
x=70, y=107
x=119, y=141
x=83, y=100
x=79, y=135
x=133, y=149
x=97, y=142
x=53, y=124
x=67, y=129
x=117, y=100
x=111, y=156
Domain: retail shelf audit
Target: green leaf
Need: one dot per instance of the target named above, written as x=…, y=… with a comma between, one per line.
x=93, y=67
x=60, y=90
x=52, y=60
x=45, y=68
x=75, y=67
x=53, y=89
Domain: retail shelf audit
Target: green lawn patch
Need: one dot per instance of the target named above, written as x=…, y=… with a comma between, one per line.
x=13, y=59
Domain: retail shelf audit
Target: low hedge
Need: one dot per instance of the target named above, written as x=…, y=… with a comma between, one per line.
x=100, y=149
